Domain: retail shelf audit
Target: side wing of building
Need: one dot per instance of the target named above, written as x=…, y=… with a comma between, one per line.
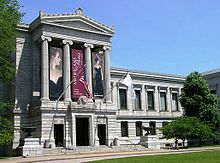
x=156, y=102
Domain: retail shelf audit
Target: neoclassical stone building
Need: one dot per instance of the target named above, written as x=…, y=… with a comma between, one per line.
x=65, y=88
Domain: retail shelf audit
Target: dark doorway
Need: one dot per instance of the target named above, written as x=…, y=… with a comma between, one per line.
x=58, y=134
x=102, y=134
x=82, y=131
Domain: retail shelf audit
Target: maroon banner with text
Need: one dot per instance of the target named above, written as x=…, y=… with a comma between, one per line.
x=77, y=73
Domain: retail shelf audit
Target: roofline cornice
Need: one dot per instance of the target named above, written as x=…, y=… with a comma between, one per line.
x=23, y=27
x=42, y=17
x=145, y=74
x=75, y=28
x=212, y=73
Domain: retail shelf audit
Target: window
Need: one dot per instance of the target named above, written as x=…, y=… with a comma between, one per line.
x=153, y=128
x=123, y=98
x=163, y=102
x=174, y=102
x=164, y=124
x=213, y=92
x=138, y=100
x=138, y=128
x=124, y=129
x=150, y=100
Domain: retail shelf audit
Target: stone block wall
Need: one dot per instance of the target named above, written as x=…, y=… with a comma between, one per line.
x=22, y=90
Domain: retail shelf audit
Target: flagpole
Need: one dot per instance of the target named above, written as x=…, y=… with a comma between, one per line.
x=106, y=102
x=56, y=105
x=106, y=95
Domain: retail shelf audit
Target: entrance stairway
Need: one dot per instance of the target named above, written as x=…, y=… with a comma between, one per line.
x=88, y=149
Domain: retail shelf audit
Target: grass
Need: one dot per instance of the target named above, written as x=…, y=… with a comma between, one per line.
x=199, y=157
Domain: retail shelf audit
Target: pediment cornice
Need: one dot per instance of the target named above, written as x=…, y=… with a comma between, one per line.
x=73, y=21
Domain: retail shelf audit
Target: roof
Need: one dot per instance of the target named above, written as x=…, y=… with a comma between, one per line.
x=211, y=72
x=78, y=14
x=147, y=73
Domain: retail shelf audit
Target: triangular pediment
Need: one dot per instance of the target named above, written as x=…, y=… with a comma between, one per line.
x=79, y=23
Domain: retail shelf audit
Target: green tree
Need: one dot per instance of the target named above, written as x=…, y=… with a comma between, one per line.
x=197, y=101
x=6, y=126
x=187, y=128
x=9, y=18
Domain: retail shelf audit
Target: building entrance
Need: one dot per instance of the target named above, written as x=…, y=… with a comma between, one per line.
x=58, y=134
x=82, y=131
x=102, y=134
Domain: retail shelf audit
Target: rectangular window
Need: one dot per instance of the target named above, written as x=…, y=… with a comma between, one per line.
x=213, y=92
x=174, y=102
x=150, y=100
x=124, y=129
x=138, y=128
x=163, y=101
x=123, y=98
x=164, y=124
x=153, y=128
x=138, y=100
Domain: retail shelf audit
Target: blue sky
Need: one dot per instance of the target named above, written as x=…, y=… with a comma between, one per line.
x=166, y=36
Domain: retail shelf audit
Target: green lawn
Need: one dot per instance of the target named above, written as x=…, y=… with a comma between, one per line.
x=206, y=157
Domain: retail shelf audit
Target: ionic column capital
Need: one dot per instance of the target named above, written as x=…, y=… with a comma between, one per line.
x=67, y=42
x=88, y=45
x=43, y=38
x=106, y=48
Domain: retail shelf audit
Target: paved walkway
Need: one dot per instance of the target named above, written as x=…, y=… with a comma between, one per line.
x=83, y=157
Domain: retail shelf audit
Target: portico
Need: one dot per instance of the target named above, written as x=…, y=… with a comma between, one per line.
x=66, y=37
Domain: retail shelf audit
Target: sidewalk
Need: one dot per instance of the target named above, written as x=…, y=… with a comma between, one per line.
x=103, y=155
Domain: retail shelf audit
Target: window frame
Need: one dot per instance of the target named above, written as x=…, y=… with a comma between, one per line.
x=174, y=108
x=165, y=102
x=153, y=130
x=137, y=98
x=124, y=128
x=153, y=102
x=138, y=127
x=125, y=99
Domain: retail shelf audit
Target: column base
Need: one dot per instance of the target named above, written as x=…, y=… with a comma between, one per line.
x=45, y=99
x=68, y=143
x=49, y=143
x=96, y=142
x=68, y=99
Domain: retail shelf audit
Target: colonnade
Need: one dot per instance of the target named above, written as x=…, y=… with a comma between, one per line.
x=66, y=68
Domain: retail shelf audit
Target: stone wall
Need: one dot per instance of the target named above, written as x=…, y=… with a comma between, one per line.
x=22, y=91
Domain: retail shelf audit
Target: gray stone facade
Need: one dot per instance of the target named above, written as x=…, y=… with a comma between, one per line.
x=213, y=79
x=33, y=106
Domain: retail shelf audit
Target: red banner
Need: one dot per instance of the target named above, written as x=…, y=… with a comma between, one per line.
x=77, y=73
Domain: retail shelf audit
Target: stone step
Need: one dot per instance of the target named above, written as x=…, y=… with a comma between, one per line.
x=89, y=149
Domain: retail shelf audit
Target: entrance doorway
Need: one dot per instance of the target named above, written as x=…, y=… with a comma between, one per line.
x=82, y=131
x=102, y=134
x=59, y=134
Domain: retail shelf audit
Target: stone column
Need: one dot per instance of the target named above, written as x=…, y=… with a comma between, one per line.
x=168, y=98
x=107, y=73
x=143, y=98
x=73, y=129
x=157, y=99
x=88, y=62
x=66, y=69
x=44, y=67
x=179, y=104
